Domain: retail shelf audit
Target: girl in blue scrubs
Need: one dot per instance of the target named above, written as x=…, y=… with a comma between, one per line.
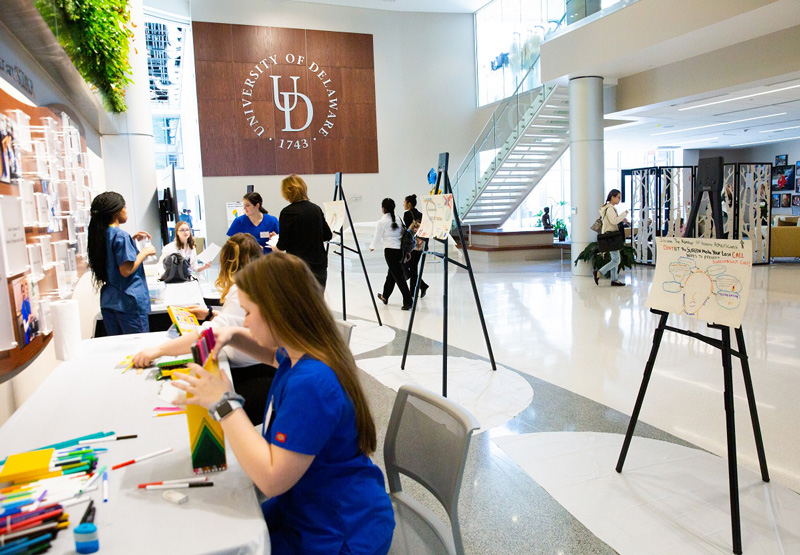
x=312, y=455
x=116, y=265
x=255, y=221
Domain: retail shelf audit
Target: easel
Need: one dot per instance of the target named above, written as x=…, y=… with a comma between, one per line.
x=338, y=194
x=443, y=180
x=710, y=182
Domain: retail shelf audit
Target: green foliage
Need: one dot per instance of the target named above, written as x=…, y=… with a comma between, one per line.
x=600, y=259
x=560, y=224
x=96, y=36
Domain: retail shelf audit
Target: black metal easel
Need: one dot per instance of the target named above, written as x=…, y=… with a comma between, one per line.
x=338, y=194
x=443, y=180
x=710, y=183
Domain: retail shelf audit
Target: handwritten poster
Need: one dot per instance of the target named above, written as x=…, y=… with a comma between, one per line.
x=437, y=216
x=335, y=214
x=707, y=279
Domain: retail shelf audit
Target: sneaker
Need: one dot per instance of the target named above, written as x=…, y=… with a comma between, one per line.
x=406, y=307
x=382, y=298
x=618, y=284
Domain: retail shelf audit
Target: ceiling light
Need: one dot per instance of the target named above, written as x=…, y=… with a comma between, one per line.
x=717, y=124
x=738, y=98
x=770, y=141
x=781, y=129
x=700, y=140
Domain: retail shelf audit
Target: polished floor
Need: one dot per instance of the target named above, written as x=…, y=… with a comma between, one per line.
x=583, y=348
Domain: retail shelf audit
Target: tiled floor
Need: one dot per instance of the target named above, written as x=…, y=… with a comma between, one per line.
x=583, y=349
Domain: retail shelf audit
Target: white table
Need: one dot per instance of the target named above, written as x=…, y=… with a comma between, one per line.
x=89, y=395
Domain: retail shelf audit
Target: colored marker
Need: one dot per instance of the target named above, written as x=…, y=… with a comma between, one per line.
x=167, y=408
x=92, y=479
x=182, y=486
x=179, y=481
x=142, y=458
x=109, y=438
x=174, y=413
x=105, y=487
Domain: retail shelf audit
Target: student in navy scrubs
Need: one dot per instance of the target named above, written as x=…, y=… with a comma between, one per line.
x=311, y=457
x=116, y=265
x=255, y=221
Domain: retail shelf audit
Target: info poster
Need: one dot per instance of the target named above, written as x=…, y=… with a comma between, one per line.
x=233, y=211
x=335, y=214
x=437, y=216
x=707, y=279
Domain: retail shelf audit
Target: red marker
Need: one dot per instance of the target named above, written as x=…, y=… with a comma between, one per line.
x=192, y=480
x=142, y=458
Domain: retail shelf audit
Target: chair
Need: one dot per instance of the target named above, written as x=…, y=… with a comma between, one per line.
x=346, y=329
x=427, y=440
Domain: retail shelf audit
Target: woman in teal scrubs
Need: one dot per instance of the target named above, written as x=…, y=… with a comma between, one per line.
x=116, y=265
x=312, y=455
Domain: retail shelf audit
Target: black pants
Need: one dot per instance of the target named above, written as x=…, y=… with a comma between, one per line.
x=412, y=268
x=395, y=276
x=322, y=276
x=253, y=383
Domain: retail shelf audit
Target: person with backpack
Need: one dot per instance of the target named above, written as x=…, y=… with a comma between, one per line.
x=183, y=246
x=389, y=232
x=116, y=266
x=413, y=218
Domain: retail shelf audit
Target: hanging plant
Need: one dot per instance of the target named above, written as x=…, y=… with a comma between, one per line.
x=96, y=36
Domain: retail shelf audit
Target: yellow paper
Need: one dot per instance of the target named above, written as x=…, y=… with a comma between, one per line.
x=25, y=467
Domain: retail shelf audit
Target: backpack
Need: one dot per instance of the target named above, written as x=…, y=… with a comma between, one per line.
x=408, y=242
x=176, y=269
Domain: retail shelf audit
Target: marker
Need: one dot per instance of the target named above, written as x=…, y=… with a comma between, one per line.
x=105, y=487
x=179, y=481
x=92, y=479
x=167, y=408
x=182, y=486
x=142, y=458
x=160, y=414
x=109, y=438
x=88, y=515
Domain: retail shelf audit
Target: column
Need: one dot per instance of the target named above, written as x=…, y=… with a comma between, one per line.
x=129, y=155
x=586, y=162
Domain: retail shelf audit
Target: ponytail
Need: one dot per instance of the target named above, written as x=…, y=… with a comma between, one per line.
x=105, y=207
x=388, y=207
x=256, y=200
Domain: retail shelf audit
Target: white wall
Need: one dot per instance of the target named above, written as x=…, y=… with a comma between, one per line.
x=425, y=96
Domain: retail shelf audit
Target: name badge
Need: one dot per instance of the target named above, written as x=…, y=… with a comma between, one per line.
x=265, y=234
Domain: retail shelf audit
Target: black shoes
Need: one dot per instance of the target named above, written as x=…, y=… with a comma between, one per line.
x=617, y=284
x=596, y=276
x=423, y=290
x=384, y=299
x=406, y=307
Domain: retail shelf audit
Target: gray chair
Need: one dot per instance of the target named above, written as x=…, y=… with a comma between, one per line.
x=427, y=440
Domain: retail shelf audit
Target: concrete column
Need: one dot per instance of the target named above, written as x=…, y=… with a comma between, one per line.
x=129, y=156
x=586, y=162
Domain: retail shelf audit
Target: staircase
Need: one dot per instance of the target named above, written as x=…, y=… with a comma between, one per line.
x=518, y=146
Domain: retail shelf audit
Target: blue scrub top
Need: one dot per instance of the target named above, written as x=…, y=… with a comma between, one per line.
x=341, y=499
x=123, y=294
x=242, y=224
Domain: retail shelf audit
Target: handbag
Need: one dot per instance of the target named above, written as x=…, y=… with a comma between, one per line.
x=597, y=226
x=611, y=240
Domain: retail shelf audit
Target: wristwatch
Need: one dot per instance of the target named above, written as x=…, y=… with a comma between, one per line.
x=209, y=316
x=228, y=403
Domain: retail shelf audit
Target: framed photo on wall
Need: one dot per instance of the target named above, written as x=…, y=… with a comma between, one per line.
x=781, y=159
x=776, y=201
x=786, y=200
x=797, y=177
x=783, y=179
x=795, y=200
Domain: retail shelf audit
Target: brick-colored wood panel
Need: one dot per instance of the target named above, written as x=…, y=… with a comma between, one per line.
x=358, y=85
x=286, y=41
x=255, y=157
x=357, y=120
x=292, y=160
x=263, y=114
x=249, y=43
x=212, y=41
x=340, y=49
x=361, y=155
x=331, y=80
x=214, y=80
x=259, y=86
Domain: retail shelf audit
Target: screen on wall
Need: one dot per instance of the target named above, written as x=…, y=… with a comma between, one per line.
x=275, y=101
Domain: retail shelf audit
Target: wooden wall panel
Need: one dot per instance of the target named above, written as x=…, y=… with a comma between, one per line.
x=243, y=129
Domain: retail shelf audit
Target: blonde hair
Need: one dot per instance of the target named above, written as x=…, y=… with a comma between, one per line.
x=236, y=253
x=292, y=304
x=294, y=189
x=190, y=241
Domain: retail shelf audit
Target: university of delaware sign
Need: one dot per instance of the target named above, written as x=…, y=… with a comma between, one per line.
x=287, y=100
x=275, y=101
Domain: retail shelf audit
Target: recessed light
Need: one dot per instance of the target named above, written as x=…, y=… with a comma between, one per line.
x=738, y=98
x=769, y=141
x=718, y=124
x=781, y=129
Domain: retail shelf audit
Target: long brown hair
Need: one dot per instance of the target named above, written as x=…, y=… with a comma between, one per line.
x=294, y=189
x=236, y=253
x=292, y=304
x=190, y=242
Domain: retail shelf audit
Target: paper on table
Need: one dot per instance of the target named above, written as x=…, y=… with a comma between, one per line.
x=209, y=254
x=273, y=241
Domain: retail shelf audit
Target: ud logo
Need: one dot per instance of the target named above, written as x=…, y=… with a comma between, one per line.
x=287, y=106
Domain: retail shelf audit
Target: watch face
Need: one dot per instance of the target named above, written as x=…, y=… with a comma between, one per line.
x=224, y=410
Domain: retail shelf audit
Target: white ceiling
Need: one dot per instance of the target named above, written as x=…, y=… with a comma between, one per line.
x=435, y=6
x=721, y=119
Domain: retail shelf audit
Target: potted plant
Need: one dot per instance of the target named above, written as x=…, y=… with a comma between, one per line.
x=560, y=230
x=599, y=259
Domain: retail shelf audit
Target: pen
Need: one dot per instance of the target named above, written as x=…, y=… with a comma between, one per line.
x=179, y=481
x=142, y=458
x=105, y=487
x=109, y=438
x=173, y=413
x=181, y=486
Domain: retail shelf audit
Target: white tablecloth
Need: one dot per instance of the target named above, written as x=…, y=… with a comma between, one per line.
x=89, y=395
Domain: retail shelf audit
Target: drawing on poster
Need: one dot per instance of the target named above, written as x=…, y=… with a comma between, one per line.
x=708, y=279
x=27, y=322
x=437, y=217
x=233, y=211
x=335, y=214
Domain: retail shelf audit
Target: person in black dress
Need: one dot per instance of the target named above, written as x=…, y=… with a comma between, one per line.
x=410, y=216
x=303, y=228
